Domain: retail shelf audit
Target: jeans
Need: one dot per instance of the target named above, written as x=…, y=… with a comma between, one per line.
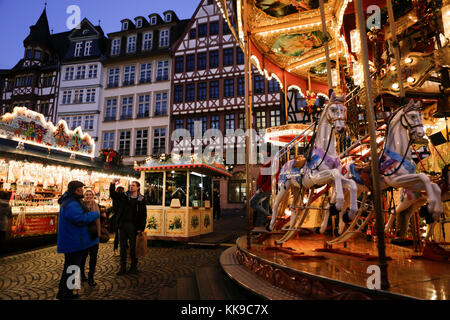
x=127, y=232
x=92, y=252
x=216, y=212
x=261, y=212
x=70, y=259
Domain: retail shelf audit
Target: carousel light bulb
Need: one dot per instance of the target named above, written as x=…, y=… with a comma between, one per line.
x=393, y=68
x=411, y=80
x=395, y=86
x=408, y=60
x=355, y=41
x=446, y=20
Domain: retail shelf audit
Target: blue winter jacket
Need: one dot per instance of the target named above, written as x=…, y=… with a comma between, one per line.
x=73, y=234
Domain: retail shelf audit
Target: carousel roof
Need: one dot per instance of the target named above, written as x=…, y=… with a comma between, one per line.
x=203, y=168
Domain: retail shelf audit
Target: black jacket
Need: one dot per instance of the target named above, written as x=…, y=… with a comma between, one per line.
x=123, y=200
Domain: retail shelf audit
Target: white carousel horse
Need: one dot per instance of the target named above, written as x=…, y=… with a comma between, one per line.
x=397, y=168
x=323, y=167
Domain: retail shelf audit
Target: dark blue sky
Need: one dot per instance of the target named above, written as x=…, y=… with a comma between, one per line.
x=16, y=16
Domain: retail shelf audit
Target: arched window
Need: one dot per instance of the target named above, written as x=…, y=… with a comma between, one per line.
x=236, y=188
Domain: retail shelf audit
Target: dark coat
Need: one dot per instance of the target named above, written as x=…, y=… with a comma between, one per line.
x=123, y=199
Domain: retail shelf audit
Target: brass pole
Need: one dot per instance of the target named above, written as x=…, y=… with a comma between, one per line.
x=395, y=47
x=373, y=147
x=327, y=49
x=285, y=96
x=248, y=79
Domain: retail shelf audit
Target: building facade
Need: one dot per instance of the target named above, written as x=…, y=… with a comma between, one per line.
x=136, y=94
x=80, y=85
x=209, y=88
x=33, y=81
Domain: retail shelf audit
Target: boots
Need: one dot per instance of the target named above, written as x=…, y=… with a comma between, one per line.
x=91, y=281
x=133, y=269
x=122, y=270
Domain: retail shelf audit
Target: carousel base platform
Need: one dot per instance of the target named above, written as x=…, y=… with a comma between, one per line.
x=297, y=270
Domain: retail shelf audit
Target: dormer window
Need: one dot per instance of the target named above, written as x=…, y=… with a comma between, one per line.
x=125, y=25
x=78, y=48
x=28, y=54
x=88, y=48
x=37, y=55
x=115, y=47
x=164, y=38
x=168, y=17
x=153, y=20
x=139, y=23
x=131, y=46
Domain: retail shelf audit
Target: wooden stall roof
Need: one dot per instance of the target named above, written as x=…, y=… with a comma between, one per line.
x=200, y=168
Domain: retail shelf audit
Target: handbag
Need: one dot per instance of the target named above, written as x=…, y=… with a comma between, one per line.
x=104, y=237
x=141, y=245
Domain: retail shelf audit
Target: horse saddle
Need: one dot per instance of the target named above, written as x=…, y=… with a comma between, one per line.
x=299, y=162
x=362, y=173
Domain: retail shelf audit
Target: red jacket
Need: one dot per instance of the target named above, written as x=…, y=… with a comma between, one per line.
x=264, y=181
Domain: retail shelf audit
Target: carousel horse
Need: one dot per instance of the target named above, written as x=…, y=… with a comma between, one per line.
x=322, y=167
x=397, y=169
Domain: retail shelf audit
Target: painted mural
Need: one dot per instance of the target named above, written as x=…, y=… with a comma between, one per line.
x=282, y=8
x=298, y=44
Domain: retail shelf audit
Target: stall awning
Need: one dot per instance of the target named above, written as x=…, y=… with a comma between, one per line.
x=200, y=168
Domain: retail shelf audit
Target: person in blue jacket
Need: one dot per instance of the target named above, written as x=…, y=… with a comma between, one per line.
x=73, y=236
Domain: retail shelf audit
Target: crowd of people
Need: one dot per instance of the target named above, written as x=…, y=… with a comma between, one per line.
x=82, y=225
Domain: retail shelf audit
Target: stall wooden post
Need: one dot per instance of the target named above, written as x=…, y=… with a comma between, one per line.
x=373, y=147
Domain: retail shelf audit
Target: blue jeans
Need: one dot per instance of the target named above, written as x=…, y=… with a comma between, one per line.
x=261, y=212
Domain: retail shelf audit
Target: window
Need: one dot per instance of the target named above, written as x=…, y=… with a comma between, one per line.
x=193, y=33
x=178, y=94
x=131, y=45
x=202, y=30
x=148, y=41
x=143, y=106
x=273, y=86
x=24, y=81
x=128, y=76
x=88, y=122
x=163, y=71
x=153, y=20
x=115, y=47
x=76, y=122
x=215, y=122
x=92, y=71
x=37, y=54
x=226, y=28
x=146, y=73
x=190, y=92
x=190, y=126
x=236, y=188
x=239, y=56
x=113, y=78
x=201, y=91
x=28, y=54
x=78, y=98
x=214, y=59
x=213, y=28
x=127, y=108
x=81, y=72
x=242, y=121
x=108, y=140
x=204, y=123
x=90, y=95
x=201, y=61
x=141, y=142
x=124, y=142
x=214, y=90
x=88, y=48
x=44, y=108
x=168, y=17
x=275, y=118
x=228, y=88
x=125, y=25
x=179, y=64
x=241, y=86
x=161, y=104
x=228, y=57
x=159, y=140
x=67, y=97
x=229, y=121
x=260, y=120
x=164, y=38
x=29, y=81
x=139, y=23
x=259, y=84
x=111, y=109
x=78, y=48
x=190, y=62
x=179, y=124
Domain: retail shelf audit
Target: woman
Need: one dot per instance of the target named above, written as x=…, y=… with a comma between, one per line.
x=90, y=206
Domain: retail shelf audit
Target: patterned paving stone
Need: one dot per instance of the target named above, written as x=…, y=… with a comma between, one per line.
x=35, y=275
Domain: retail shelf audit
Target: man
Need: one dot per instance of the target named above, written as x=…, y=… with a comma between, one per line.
x=216, y=204
x=115, y=218
x=131, y=221
x=73, y=237
x=5, y=214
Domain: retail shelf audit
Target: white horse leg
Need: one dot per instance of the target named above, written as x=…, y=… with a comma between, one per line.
x=324, y=224
x=350, y=185
x=339, y=192
x=280, y=195
x=438, y=208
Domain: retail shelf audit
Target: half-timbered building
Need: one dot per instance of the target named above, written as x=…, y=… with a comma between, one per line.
x=209, y=89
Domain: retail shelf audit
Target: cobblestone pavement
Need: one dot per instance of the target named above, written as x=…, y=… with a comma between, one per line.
x=35, y=275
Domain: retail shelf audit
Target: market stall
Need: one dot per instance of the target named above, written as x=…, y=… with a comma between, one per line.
x=37, y=161
x=179, y=198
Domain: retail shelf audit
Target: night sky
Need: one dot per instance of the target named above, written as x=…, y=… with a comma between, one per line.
x=16, y=16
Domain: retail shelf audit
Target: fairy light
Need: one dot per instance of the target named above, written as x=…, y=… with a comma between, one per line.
x=408, y=60
x=411, y=80
x=395, y=86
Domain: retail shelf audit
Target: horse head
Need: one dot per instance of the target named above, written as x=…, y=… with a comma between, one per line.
x=410, y=118
x=335, y=112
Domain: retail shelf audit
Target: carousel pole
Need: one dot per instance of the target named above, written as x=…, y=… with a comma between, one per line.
x=248, y=136
x=285, y=96
x=395, y=47
x=373, y=147
x=325, y=42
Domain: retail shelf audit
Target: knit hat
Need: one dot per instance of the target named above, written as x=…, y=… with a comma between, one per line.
x=74, y=185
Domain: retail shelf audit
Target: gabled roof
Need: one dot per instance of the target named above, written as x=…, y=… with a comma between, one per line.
x=39, y=33
x=131, y=25
x=144, y=21
x=85, y=24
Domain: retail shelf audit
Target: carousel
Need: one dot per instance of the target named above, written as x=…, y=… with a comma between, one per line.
x=359, y=189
